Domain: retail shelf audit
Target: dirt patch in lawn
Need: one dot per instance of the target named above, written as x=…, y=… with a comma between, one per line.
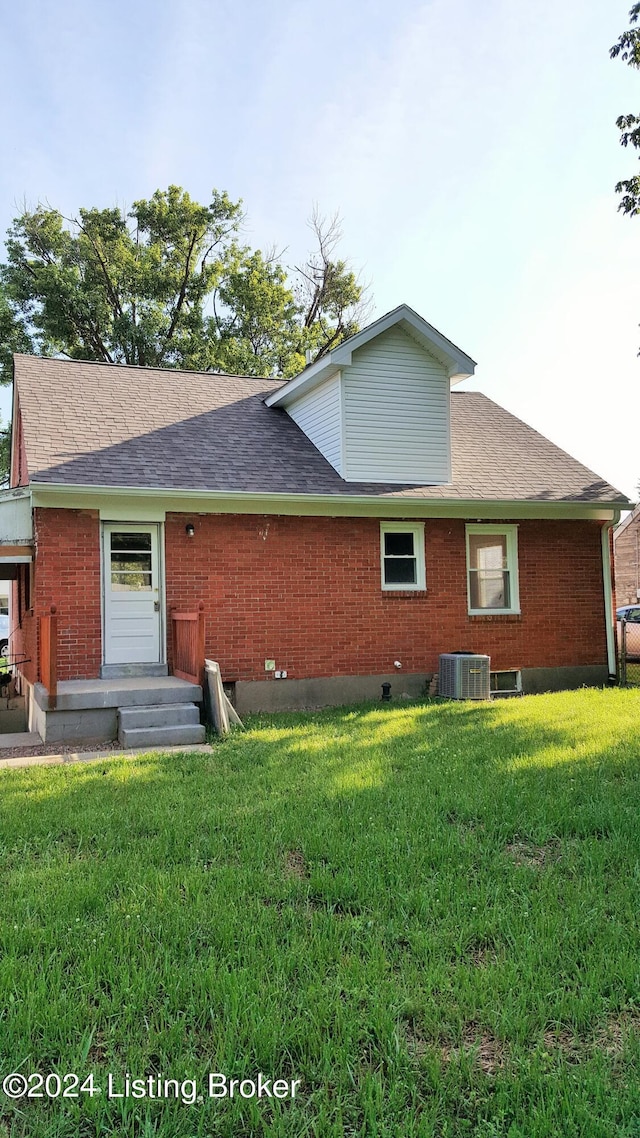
x=480, y=952
x=614, y=1036
x=488, y=1053
x=562, y=1041
x=535, y=857
x=610, y=1039
x=418, y=1043
x=295, y=865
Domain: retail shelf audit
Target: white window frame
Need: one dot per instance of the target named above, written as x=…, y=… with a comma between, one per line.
x=511, y=534
x=417, y=530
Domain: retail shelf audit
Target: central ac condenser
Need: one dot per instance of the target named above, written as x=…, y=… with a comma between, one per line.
x=464, y=676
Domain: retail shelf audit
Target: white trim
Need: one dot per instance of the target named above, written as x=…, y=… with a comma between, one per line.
x=176, y=500
x=134, y=513
x=511, y=534
x=608, y=597
x=417, y=530
x=136, y=526
x=343, y=427
x=458, y=364
x=19, y=559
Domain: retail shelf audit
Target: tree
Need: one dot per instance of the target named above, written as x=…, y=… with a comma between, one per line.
x=13, y=338
x=330, y=296
x=628, y=49
x=168, y=284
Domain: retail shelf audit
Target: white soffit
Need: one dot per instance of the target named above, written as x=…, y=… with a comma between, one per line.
x=458, y=364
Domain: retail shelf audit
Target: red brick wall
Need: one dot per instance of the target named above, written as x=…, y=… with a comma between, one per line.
x=306, y=592
x=67, y=574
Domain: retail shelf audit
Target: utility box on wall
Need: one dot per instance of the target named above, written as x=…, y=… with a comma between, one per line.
x=464, y=676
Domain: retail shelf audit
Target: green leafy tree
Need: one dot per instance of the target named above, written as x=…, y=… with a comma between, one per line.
x=168, y=284
x=13, y=338
x=627, y=48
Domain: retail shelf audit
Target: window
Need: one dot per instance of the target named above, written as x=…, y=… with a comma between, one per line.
x=402, y=555
x=492, y=569
x=131, y=562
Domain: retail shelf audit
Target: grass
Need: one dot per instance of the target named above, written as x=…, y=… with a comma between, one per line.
x=428, y=913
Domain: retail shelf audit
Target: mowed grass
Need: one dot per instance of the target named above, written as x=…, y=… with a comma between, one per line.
x=427, y=913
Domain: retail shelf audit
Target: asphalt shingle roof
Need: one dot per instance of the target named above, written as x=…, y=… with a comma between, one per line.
x=109, y=425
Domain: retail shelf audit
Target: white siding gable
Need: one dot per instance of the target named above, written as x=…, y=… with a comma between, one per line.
x=319, y=415
x=396, y=413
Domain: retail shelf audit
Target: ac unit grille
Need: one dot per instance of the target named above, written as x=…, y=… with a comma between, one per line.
x=464, y=676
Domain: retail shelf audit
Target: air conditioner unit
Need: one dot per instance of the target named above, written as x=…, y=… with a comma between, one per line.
x=464, y=676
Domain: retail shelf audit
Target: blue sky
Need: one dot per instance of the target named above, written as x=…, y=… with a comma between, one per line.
x=471, y=150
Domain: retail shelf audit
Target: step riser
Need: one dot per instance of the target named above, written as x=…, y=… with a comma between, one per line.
x=167, y=715
x=162, y=736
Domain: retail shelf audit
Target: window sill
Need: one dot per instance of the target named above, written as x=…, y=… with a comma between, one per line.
x=404, y=592
x=504, y=617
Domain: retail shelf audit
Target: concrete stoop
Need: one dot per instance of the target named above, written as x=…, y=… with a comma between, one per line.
x=139, y=711
x=160, y=725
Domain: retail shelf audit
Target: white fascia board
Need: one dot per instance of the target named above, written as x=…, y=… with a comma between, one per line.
x=311, y=377
x=458, y=364
x=150, y=503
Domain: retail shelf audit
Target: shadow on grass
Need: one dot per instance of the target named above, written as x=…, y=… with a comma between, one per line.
x=286, y=902
x=521, y=763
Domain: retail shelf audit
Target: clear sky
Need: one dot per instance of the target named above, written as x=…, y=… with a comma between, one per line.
x=471, y=150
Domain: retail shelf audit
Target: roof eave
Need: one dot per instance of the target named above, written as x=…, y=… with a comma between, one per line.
x=458, y=364
x=183, y=500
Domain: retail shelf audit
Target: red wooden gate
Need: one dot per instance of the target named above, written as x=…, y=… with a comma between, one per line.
x=188, y=644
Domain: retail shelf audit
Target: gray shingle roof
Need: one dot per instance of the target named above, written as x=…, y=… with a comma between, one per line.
x=109, y=425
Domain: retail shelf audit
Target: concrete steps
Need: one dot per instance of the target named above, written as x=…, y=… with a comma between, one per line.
x=96, y=711
x=160, y=725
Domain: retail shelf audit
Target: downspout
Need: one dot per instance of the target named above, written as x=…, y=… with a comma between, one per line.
x=608, y=596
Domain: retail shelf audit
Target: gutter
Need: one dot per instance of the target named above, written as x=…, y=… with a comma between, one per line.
x=332, y=505
x=608, y=597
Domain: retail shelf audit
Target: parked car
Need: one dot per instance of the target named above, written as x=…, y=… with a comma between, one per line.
x=631, y=616
x=630, y=613
x=4, y=633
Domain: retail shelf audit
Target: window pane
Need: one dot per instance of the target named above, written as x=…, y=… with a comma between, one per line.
x=123, y=582
x=398, y=544
x=487, y=551
x=122, y=561
x=489, y=589
x=400, y=571
x=131, y=541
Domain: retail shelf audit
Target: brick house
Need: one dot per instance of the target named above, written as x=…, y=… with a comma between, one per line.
x=337, y=531
x=626, y=544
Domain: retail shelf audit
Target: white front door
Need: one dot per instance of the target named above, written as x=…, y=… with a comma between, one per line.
x=132, y=616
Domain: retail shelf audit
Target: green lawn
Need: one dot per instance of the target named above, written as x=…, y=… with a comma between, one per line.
x=427, y=913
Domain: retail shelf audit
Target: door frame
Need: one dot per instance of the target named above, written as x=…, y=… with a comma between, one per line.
x=162, y=622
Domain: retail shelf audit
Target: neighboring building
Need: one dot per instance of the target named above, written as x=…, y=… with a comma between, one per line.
x=626, y=543
x=358, y=517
